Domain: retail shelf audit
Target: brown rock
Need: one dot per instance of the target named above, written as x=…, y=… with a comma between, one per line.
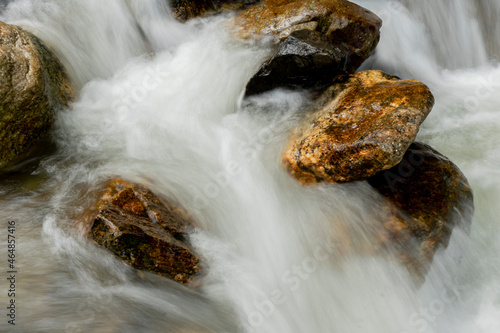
x=137, y=226
x=427, y=196
x=33, y=86
x=339, y=20
x=184, y=10
x=363, y=126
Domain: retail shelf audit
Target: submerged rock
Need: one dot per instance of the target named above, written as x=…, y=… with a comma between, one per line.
x=362, y=126
x=147, y=233
x=184, y=10
x=344, y=32
x=427, y=196
x=33, y=86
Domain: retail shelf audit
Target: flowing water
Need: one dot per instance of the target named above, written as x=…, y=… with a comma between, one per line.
x=162, y=103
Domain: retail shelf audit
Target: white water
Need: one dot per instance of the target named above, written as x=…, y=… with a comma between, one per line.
x=161, y=103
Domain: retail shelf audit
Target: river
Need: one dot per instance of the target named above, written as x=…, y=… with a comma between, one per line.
x=162, y=103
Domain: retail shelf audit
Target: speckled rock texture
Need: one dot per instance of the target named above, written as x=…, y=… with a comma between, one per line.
x=362, y=125
x=339, y=20
x=33, y=86
x=146, y=232
x=427, y=196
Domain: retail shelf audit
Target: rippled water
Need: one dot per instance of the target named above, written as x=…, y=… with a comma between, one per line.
x=162, y=103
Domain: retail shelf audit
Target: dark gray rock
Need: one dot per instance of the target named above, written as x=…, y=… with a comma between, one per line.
x=427, y=197
x=306, y=58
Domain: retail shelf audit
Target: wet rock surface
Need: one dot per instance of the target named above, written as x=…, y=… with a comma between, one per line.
x=337, y=20
x=305, y=59
x=33, y=86
x=184, y=10
x=427, y=196
x=362, y=125
x=146, y=232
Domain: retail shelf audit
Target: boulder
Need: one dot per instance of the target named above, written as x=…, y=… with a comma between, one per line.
x=183, y=10
x=362, y=125
x=33, y=86
x=340, y=21
x=427, y=196
x=306, y=58
x=146, y=232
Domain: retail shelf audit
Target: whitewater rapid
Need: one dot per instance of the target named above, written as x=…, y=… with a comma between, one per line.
x=161, y=103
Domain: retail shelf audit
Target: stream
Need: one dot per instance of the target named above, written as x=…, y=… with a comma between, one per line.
x=161, y=103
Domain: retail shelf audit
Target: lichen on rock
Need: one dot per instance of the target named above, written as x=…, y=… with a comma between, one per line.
x=361, y=126
x=33, y=86
x=146, y=232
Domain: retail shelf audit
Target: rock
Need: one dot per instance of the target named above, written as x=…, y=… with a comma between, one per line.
x=184, y=10
x=427, y=197
x=306, y=58
x=33, y=86
x=362, y=126
x=148, y=234
x=340, y=21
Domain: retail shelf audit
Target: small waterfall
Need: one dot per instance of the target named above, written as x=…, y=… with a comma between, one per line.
x=162, y=102
x=426, y=36
x=463, y=33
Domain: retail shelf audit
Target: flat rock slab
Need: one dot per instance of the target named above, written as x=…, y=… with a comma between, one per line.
x=147, y=233
x=427, y=197
x=361, y=126
x=33, y=86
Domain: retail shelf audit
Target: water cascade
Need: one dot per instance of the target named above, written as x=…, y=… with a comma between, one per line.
x=162, y=103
